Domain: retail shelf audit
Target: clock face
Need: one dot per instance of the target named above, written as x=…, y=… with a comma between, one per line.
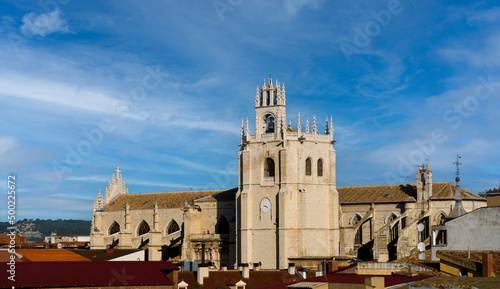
x=265, y=205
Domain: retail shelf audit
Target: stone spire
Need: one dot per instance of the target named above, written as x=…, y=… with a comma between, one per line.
x=257, y=97
x=326, y=126
x=99, y=202
x=242, y=131
x=299, y=126
x=247, y=132
x=307, y=125
x=283, y=94
x=315, y=128
x=458, y=210
x=331, y=125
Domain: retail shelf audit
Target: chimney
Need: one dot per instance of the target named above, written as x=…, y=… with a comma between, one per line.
x=224, y=268
x=291, y=268
x=375, y=282
x=332, y=266
x=245, y=271
x=487, y=265
x=201, y=273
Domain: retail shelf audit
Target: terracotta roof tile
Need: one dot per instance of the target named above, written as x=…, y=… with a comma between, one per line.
x=399, y=193
x=475, y=257
x=50, y=255
x=164, y=200
x=221, y=279
x=102, y=255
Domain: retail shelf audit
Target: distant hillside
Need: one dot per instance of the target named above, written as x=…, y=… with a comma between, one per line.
x=36, y=230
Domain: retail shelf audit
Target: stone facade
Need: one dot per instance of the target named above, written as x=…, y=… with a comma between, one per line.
x=286, y=207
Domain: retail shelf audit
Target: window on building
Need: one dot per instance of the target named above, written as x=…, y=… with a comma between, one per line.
x=143, y=228
x=269, y=168
x=222, y=226
x=114, y=228
x=358, y=238
x=441, y=219
x=320, y=168
x=172, y=227
x=270, y=123
x=308, y=167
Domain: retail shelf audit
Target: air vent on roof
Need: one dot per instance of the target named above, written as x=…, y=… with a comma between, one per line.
x=385, y=195
x=145, y=202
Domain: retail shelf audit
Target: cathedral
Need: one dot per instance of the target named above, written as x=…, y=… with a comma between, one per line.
x=286, y=208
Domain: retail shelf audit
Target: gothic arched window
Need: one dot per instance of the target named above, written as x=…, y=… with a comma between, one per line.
x=172, y=227
x=222, y=226
x=320, y=168
x=143, y=228
x=308, y=167
x=269, y=168
x=114, y=228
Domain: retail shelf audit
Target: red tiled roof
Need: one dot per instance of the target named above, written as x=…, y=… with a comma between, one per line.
x=221, y=279
x=5, y=239
x=102, y=255
x=5, y=257
x=164, y=200
x=476, y=257
x=399, y=193
x=390, y=280
x=37, y=255
x=69, y=274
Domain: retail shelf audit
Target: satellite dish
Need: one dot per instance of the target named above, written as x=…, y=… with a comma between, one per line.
x=421, y=256
x=421, y=246
x=420, y=227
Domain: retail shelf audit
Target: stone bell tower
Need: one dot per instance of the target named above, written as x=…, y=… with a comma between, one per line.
x=287, y=202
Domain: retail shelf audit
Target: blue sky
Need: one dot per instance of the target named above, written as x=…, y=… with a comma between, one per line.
x=159, y=88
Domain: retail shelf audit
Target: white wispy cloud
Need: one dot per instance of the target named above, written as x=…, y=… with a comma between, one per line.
x=105, y=179
x=292, y=7
x=44, y=24
x=7, y=143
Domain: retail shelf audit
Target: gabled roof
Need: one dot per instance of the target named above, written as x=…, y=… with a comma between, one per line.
x=399, y=193
x=87, y=274
x=164, y=200
x=37, y=255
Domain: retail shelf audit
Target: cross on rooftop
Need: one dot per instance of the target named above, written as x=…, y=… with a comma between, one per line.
x=117, y=172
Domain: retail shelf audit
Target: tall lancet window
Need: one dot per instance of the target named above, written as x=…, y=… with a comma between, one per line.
x=308, y=167
x=269, y=168
x=320, y=168
x=270, y=124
